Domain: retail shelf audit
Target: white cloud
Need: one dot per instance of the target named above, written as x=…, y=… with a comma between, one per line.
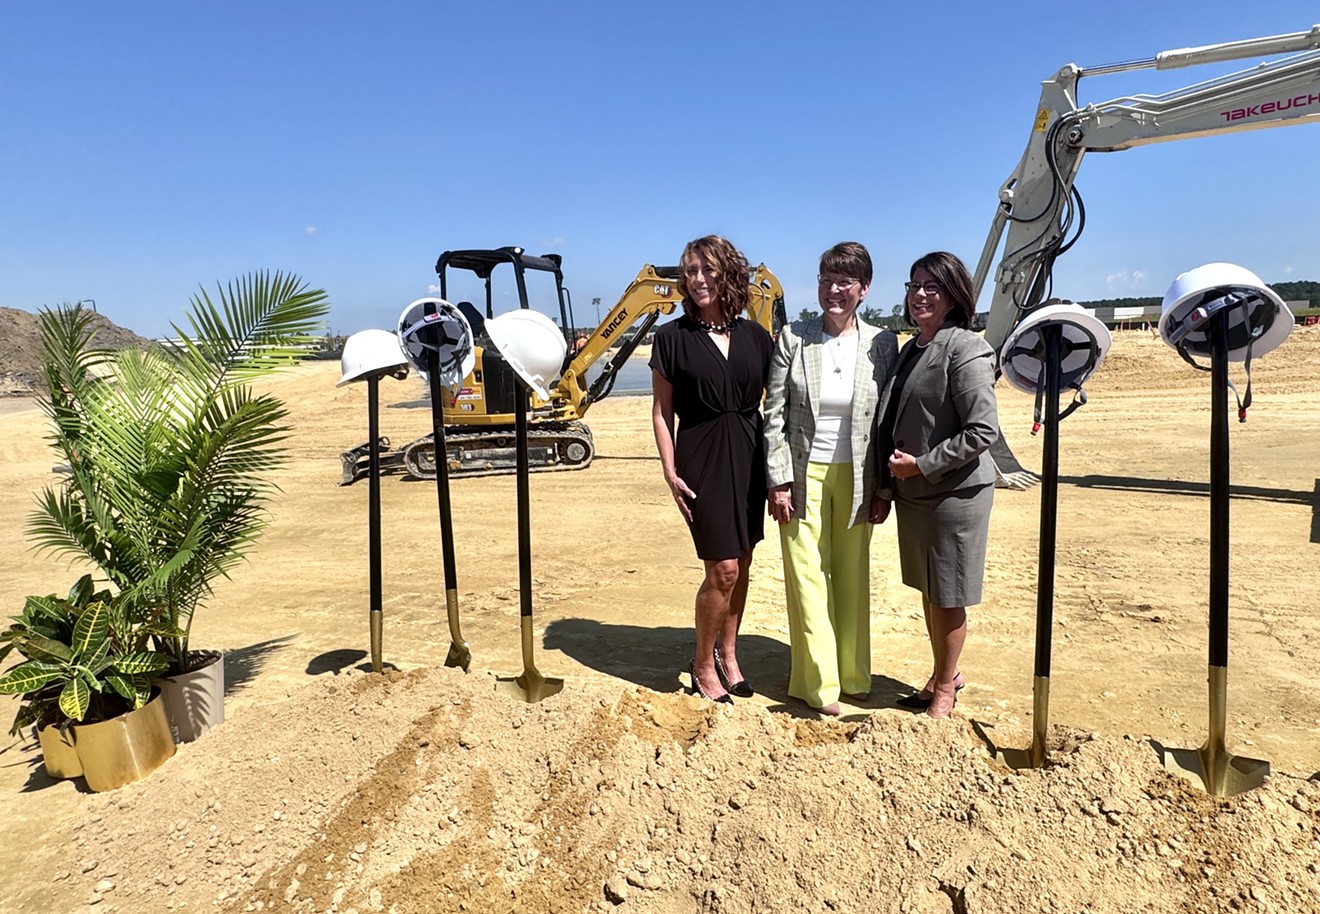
x=552, y=243
x=310, y=230
x=1123, y=281
x=1287, y=271
x=433, y=288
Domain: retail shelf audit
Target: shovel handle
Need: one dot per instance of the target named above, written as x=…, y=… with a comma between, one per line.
x=524, y=504
x=1219, y=488
x=441, y=470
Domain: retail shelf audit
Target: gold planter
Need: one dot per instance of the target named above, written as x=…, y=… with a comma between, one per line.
x=58, y=753
x=124, y=749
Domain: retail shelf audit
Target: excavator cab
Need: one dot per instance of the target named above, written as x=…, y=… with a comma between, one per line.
x=486, y=395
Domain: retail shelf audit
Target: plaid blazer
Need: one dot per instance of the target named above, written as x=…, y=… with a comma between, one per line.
x=792, y=401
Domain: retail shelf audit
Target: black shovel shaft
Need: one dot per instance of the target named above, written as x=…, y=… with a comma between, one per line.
x=1049, y=501
x=373, y=491
x=441, y=469
x=1219, y=494
x=524, y=505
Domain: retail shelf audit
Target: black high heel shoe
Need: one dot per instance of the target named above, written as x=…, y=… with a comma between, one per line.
x=742, y=688
x=724, y=699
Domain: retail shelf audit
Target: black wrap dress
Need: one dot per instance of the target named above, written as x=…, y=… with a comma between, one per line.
x=719, y=450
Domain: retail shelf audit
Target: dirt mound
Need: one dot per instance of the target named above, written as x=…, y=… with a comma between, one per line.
x=20, y=348
x=427, y=792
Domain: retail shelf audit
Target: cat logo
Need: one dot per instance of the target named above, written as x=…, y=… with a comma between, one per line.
x=662, y=290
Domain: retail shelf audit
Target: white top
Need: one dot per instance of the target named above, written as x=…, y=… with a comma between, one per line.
x=838, y=365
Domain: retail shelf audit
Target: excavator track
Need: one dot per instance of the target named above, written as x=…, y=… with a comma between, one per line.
x=493, y=452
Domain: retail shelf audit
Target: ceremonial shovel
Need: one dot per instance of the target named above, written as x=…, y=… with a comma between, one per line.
x=376, y=614
x=1052, y=337
x=459, y=653
x=531, y=685
x=1212, y=766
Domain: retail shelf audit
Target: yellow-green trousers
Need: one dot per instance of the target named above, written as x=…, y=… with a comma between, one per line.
x=827, y=580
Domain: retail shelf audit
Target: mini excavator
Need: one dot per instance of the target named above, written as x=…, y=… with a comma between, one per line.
x=479, y=419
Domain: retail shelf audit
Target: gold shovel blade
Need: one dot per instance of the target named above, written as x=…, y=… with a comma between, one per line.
x=531, y=685
x=459, y=653
x=1034, y=755
x=1215, y=770
x=1212, y=767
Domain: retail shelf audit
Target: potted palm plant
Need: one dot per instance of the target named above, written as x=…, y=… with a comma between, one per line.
x=86, y=683
x=169, y=451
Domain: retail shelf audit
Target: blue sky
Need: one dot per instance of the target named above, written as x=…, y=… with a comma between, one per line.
x=154, y=147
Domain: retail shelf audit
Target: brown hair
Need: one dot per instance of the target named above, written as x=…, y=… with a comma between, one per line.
x=951, y=273
x=731, y=284
x=848, y=258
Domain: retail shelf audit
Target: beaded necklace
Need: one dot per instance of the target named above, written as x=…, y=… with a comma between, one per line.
x=716, y=328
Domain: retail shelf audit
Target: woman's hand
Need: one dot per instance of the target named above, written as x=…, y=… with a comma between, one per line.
x=679, y=489
x=903, y=465
x=779, y=500
x=879, y=509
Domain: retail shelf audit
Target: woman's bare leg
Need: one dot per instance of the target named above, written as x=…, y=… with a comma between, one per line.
x=714, y=598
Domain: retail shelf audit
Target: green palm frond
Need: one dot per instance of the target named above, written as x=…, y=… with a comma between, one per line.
x=169, y=448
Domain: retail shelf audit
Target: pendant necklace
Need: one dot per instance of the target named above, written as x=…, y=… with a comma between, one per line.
x=834, y=359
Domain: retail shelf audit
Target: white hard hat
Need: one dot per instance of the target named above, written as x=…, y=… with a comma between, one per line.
x=1259, y=319
x=370, y=352
x=532, y=345
x=433, y=324
x=1084, y=345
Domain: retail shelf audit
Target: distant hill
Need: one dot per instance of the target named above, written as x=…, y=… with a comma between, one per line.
x=20, y=348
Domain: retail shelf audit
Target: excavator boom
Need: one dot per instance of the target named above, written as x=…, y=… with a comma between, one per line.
x=1040, y=213
x=1039, y=205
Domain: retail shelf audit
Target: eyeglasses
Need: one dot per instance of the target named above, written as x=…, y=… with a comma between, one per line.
x=843, y=285
x=930, y=288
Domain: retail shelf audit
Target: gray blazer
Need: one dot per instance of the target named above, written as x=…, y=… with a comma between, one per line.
x=946, y=416
x=792, y=402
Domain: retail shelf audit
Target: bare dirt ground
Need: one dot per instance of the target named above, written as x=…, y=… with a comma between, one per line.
x=425, y=790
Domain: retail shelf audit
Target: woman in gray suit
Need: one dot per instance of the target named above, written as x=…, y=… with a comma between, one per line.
x=825, y=379
x=938, y=420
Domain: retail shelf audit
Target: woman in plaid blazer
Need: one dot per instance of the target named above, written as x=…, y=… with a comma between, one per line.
x=821, y=462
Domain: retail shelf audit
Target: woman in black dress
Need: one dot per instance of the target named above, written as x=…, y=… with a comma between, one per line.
x=709, y=368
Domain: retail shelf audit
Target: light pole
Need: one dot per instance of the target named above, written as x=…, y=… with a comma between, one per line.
x=91, y=301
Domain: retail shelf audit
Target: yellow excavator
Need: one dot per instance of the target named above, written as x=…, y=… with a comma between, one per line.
x=479, y=434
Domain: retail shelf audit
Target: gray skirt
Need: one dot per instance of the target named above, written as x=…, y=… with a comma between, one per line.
x=941, y=544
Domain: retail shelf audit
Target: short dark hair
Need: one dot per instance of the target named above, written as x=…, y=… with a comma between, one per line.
x=956, y=283
x=848, y=258
x=732, y=288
